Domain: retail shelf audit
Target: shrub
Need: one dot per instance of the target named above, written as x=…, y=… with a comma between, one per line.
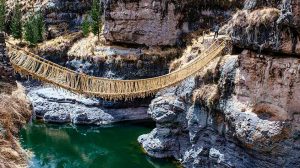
x=96, y=16
x=2, y=15
x=85, y=27
x=34, y=29
x=16, y=23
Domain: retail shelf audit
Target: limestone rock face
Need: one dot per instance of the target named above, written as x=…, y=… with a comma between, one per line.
x=143, y=22
x=168, y=110
x=296, y=13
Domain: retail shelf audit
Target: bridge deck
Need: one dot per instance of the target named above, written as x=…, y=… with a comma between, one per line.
x=30, y=64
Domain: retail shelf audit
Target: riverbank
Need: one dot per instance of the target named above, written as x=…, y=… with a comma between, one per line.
x=14, y=114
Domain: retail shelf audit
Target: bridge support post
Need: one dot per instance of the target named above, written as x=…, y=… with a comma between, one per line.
x=6, y=69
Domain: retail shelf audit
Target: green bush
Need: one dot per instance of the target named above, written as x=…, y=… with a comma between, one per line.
x=29, y=34
x=2, y=15
x=16, y=23
x=85, y=27
x=34, y=29
x=96, y=16
x=40, y=26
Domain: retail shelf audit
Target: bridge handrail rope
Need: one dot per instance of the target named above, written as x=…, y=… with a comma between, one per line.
x=112, y=89
x=152, y=90
x=36, y=56
x=159, y=77
x=31, y=64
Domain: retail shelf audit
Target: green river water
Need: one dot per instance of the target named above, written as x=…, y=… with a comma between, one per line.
x=66, y=146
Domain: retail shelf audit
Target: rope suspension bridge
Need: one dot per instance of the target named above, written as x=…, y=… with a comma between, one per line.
x=27, y=63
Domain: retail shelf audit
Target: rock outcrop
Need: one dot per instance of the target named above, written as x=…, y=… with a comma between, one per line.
x=65, y=15
x=244, y=114
x=61, y=106
x=126, y=63
x=161, y=23
x=268, y=26
x=242, y=110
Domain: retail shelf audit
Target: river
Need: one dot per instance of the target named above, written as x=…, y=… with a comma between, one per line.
x=67, y=146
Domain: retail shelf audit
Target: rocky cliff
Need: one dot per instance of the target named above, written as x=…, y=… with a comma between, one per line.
x=161, y=23
x=244, y=113
x=242, y=110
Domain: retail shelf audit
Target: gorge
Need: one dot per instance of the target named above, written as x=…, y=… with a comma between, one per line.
x=240, y=110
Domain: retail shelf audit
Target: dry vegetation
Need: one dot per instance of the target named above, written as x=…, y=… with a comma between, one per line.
x=55, y=46
x=60, y=44
x=208, y=93
x=157, y=51
x=256, y=18
x=26, y=5
x=90, y=47
x=188, y=54
x=85, y=47
x=14, y=113
x=264, y=16
x=195, y=47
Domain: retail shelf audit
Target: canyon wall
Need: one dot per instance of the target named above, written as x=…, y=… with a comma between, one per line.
x=242, y=110
x=63, y=16
x=161, y=23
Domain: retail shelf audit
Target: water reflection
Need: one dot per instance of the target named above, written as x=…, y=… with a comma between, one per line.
x=67, y=146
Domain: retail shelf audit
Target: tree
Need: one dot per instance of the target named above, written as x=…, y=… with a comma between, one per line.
x=85, y=27
x=16, y=23
x=30, y=31
x=39, y=26
x=2, y=15
x=34, y=29
x=96, y=16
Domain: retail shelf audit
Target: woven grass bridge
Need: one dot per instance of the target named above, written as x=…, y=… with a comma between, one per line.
x=27, y=63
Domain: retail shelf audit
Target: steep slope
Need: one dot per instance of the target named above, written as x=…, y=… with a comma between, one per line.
x=14, y=113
